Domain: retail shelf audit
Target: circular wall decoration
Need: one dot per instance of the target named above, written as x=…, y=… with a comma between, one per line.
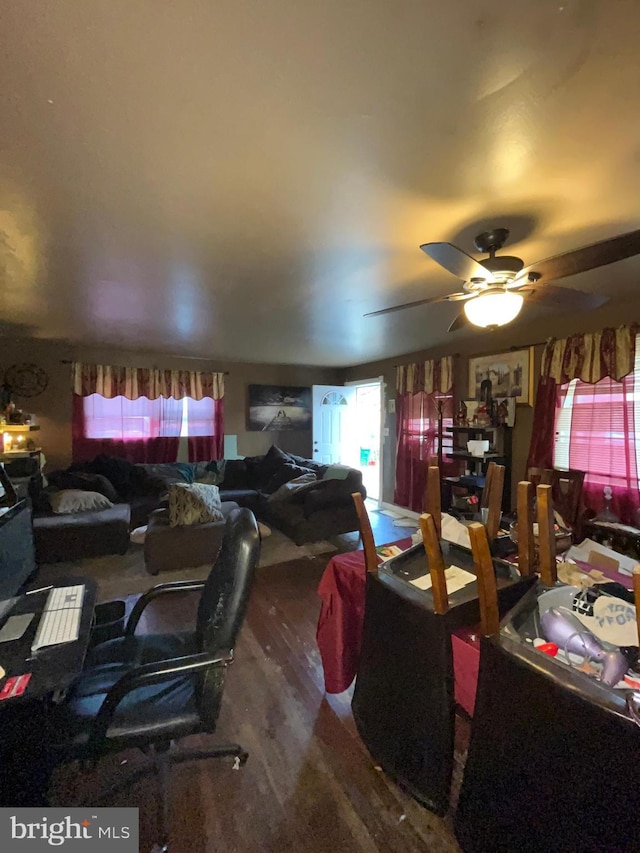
x=26, y=380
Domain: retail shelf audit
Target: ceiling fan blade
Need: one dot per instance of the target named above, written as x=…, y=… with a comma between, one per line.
x=587, y=258
x=460, y=322
x=456, y=261
x=450, y=297
x=562, y=297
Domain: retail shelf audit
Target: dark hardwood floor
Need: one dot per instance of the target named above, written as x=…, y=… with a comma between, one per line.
x=309, y=784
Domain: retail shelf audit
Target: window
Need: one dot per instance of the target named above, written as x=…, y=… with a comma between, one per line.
x=131, y=420
x=596, y=432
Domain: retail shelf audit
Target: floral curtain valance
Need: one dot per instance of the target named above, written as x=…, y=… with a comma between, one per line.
x=134, y=382
x=429, y=376
x=590, y=357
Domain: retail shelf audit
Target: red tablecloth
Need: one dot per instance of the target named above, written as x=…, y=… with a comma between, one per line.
x=339, y=633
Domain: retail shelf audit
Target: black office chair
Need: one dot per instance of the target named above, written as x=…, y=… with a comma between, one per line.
x=147, y=691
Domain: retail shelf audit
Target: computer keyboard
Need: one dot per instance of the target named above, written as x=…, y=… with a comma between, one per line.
x=60, y=620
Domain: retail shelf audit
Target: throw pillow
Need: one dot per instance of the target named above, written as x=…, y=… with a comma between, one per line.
x=284, y=474
x=300, y=484
x=81, y=480
x=337, y=472
x=236, y=475
x=194, y=503
x=77, y=500
x=271, y=462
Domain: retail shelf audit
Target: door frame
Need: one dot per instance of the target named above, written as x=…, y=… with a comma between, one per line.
x=376, y=380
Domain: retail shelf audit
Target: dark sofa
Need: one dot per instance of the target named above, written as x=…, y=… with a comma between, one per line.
x=317, y=509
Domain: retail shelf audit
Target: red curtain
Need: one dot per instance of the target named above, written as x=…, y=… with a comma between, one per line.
x=205, y=428
x=416, y=443
x=596, y=430
x=139, y=430
x=544, y=425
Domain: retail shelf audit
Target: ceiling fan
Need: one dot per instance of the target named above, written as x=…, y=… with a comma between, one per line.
x=495, y=288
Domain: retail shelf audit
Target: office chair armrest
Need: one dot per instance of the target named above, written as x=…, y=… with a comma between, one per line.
x=160, y=589
x=142, y=676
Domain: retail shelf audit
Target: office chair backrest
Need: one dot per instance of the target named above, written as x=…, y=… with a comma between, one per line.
x=226, y=592
x=224, y=603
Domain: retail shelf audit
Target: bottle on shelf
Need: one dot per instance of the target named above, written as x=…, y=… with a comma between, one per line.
x=606, y=513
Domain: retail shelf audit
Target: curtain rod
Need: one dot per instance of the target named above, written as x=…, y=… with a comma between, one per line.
x=224, y=372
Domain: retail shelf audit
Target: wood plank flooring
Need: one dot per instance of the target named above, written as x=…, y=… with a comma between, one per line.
x=309, y=784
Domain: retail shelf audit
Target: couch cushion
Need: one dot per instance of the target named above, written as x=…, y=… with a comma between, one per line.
x=194, y=503
x=271, y=462
x=236, y=474
x=85, y=481
x=285, y=474
x=337, y=472
x=77, y=500
x=318, y=467
x=286, y=490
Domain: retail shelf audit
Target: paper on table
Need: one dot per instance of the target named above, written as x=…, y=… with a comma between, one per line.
x=455, y=577
x=454, y=531
x=584, y=549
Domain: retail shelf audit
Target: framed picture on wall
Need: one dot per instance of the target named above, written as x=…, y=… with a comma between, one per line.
x=510, y=375
x=279, y=407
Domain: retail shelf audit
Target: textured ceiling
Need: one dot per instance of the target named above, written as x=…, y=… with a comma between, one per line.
x=245, y=179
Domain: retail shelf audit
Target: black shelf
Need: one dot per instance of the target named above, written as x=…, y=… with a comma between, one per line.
x=474, y=429
x=464, y=454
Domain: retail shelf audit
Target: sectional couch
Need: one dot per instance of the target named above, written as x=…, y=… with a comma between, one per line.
x=304, y=499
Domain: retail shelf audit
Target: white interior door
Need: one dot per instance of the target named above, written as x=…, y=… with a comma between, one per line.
x=333, y=408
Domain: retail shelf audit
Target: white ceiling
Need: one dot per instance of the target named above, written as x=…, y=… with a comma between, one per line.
x=245, y=179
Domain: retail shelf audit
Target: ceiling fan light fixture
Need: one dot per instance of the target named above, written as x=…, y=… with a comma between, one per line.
x=493, y=309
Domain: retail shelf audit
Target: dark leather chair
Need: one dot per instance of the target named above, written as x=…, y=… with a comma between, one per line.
x=147, y=691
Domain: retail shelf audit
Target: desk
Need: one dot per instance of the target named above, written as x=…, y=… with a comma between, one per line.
x=24, y=762
x=54, y=667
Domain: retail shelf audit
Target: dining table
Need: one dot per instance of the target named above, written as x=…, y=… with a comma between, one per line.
x=340, y=624
x=339, y=631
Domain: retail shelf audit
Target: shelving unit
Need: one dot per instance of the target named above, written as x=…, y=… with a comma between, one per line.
x=19, y=427
x=19, y=450
x=473, y=483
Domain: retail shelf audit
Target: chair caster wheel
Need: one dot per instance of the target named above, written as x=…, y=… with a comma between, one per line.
x=240, y=760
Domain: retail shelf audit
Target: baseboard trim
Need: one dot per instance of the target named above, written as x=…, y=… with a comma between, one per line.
x=407, y=513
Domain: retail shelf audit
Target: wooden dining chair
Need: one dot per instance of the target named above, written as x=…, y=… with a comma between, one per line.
x=567, y=488
x=487, y=586
x=544, y=736
x=492, y=497
x=488, y=477
x=435, y=561
x=366, y=533
x=546, y=536
x=539, y=476
x=524, y=526
x=636, y=596
x=433, y=498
